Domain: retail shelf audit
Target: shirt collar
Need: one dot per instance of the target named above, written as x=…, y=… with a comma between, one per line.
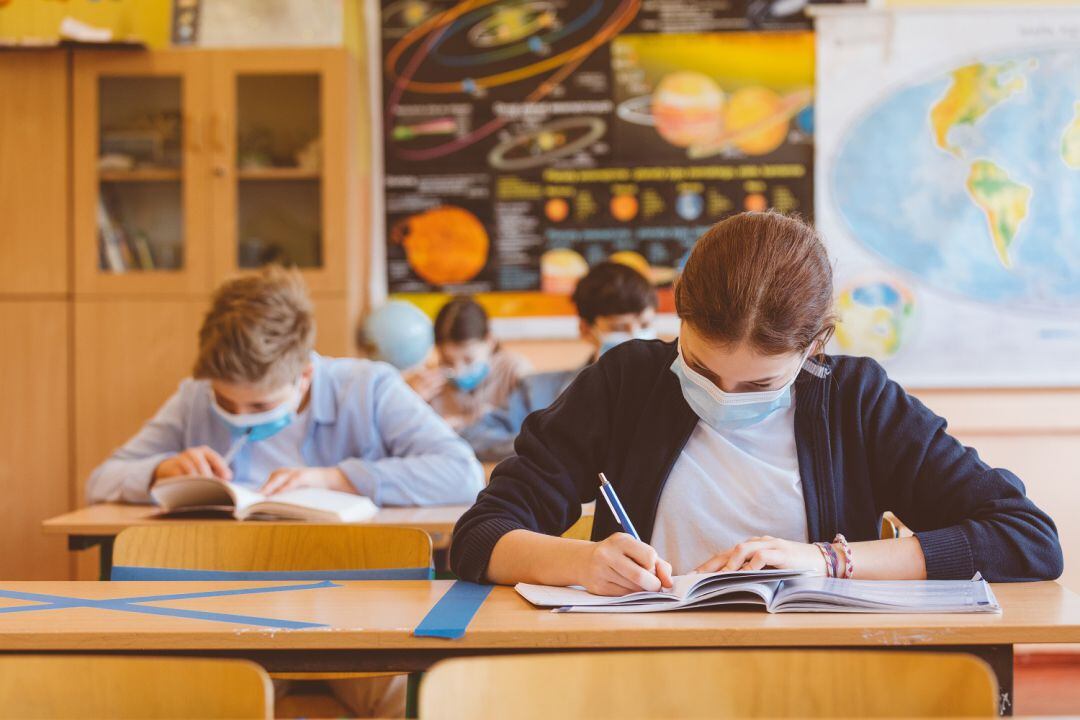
x=323, y=400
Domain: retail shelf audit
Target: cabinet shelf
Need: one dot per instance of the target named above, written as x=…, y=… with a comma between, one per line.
x=140, y=175
x=278, y=173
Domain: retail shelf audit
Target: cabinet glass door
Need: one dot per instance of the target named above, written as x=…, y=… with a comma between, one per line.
x=279, y=166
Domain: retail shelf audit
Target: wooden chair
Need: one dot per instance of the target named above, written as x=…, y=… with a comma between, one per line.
x=88, y=686
x=581, y=530
x=281, y=548
x=239, y=547
x=710, y=684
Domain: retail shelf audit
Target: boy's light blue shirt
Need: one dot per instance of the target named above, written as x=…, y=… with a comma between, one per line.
x=364, y=420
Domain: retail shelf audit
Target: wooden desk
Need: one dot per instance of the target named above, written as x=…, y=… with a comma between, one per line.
x=378, y=617
x=367, y=625
x=99, y=524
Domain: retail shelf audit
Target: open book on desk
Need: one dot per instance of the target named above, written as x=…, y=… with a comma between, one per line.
x=196, y=495
x=780, y=591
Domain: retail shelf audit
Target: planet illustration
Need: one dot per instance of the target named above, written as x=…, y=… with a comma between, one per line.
x=690, y=110
x=444, y=245
x=687, y=107
x=511, y=23
x=560, y=270
x=756, y=202
x=655, y=275
x=624, y=207
x=689, y=205
x=876, y=317
x=545, y=144
x=556, y=209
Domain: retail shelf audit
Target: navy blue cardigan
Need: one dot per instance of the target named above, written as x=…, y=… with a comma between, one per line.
x=864, y=446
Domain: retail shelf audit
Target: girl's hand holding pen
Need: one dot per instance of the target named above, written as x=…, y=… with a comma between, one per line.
x=620, y=564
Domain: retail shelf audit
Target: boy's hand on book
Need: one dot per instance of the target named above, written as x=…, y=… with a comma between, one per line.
x=202, y=460
x=328, y=478
x=620, y=565
x=766, y=551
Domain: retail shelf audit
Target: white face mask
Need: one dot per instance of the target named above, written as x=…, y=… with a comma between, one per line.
x=728, y=411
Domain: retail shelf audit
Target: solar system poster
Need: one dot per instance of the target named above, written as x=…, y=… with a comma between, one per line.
x=526, y=140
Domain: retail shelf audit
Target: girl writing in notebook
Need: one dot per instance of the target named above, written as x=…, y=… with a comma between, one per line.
x=741, y=445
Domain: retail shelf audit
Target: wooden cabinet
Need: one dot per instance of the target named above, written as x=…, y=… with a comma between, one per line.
x=193, y=165
x=33, y=172
x=34, y=436
x=141, y=187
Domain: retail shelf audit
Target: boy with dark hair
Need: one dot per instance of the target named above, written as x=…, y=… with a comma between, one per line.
x=615, y=303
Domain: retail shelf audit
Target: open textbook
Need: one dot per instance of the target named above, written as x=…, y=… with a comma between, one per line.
x=780, y=591
x=196, y=494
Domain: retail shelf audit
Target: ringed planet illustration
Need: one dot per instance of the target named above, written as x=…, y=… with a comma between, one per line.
x=543, y=145
x=690, y=110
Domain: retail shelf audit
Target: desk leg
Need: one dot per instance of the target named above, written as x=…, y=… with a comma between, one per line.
x=1000, y=660
x=412, y=695
x=85, y=542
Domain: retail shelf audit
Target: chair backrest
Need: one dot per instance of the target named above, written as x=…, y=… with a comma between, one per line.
x=255, y=547
x=88, y=686
x=710, y=684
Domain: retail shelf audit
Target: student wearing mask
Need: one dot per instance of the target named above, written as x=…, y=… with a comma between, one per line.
x=615, y=303
x=742, y=445
x=474, y=375
x=291, y=417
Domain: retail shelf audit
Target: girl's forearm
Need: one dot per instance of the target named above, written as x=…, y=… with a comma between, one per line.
x=898, y=559
x=525, y=556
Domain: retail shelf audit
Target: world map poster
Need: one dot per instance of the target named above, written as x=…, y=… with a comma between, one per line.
x=948, y=190
x=523, y=141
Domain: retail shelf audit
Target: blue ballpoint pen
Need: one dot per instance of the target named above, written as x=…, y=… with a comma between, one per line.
x=616, y=507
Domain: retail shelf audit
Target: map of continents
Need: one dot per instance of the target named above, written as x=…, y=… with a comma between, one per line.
x=970, y=181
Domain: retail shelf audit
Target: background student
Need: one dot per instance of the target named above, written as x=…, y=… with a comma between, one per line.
x=615, y=303
x=741, y=445
x=474, y=375
x=296, y=418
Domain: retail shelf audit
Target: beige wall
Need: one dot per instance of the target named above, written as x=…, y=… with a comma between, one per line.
x=1034, y=433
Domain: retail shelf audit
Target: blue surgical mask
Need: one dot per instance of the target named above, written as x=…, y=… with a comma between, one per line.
x=260, y=426
x=728, y=411
x=471, y=377
x=611, y=339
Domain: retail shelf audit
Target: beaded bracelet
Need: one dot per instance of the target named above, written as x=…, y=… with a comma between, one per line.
x=849, y=561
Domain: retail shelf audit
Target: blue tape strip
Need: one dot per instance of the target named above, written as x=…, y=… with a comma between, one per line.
x=132, y=604
x=124, y=573
x=454, y=611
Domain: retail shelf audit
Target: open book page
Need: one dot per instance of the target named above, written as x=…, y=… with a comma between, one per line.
x=742, y=593
x=244, y=498
x=191, y=491
x=904, y=596
x=311, y=504
x=685, y=589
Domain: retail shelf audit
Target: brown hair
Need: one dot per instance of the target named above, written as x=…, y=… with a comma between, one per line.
x=460, y=320
x=763, y=278
x=260, y=329
x=612, y=289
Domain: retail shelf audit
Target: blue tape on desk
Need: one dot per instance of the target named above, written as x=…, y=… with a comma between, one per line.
x=454, y=611
x=125, y=573
x=133, y=604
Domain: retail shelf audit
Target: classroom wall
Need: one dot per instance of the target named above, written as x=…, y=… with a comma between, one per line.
x=1034, y=433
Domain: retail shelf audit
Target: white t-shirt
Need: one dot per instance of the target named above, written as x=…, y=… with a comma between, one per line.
x=727, y=487
x=283, y=449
